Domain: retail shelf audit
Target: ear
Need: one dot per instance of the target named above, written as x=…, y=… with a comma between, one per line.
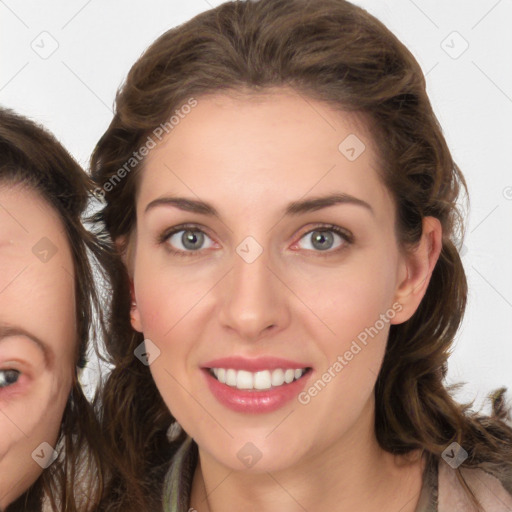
x=124, y=246
x=416, y=269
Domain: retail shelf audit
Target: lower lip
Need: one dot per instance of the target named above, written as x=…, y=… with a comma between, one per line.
x=254, y=401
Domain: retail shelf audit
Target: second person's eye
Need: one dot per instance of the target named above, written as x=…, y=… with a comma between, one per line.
x=8, y=377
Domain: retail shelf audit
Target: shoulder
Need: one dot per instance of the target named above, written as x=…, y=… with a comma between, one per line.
x=487, y=488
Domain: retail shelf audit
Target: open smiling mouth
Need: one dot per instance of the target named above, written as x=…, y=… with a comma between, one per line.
x=255, y=385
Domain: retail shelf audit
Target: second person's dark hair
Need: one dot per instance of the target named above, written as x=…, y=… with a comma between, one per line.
x=31, y=157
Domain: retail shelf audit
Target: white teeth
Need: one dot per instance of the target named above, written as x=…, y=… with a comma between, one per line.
x=289, y=375
x=231, y=378
x=265, y=379
x=221, y=375
x=244, y=380
x=262, y=380
x=277, y=377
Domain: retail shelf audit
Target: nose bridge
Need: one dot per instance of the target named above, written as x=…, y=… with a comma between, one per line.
x=253, y=301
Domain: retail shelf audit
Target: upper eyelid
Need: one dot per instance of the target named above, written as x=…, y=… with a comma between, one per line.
x=167, y=233
x=27, y=359
x=24, y=367
x=7, y=361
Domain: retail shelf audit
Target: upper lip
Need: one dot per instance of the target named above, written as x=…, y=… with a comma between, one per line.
x=255, y=364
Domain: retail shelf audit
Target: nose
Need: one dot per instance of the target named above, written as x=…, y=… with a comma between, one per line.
x=254, y=300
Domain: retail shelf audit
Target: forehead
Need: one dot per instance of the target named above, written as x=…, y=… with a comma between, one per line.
x=280, y=144
x=36, y=266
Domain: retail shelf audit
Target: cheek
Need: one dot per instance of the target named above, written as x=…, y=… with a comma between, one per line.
x=166, y=293
x=168, y=304
x=162, y=303
x=352, y=336
x=32, y=417
x=347, y=299
x=351, y=311
x=11, y=434
x=173, y=304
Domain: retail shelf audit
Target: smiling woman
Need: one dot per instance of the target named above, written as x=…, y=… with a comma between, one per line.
x=49, y=437
x=295, y=285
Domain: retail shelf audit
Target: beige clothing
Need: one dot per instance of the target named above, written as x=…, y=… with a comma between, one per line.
x=488, y=489
x=441, y=490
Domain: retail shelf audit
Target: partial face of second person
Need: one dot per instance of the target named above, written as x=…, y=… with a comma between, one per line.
x=37, y=336
x=255, y=287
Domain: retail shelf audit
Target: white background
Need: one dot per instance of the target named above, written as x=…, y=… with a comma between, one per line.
x=95, y=42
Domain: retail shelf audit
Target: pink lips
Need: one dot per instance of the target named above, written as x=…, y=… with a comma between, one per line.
x=254, y=401
x=253, y=365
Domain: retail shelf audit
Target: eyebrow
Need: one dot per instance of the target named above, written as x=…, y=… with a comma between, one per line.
x=294, y=208
x=7, y=331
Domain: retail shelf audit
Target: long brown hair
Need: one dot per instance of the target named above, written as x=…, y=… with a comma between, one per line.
x=335, y=52
x=33, y=158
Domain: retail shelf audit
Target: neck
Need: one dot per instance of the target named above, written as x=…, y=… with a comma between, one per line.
x=353, y=474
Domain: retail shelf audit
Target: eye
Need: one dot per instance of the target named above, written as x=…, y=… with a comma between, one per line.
x=8, y=377
x=186, y=239
x=326, y=239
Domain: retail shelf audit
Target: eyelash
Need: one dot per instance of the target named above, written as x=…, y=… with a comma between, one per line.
x=347, y=237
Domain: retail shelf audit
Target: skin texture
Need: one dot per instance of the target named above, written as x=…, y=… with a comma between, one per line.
x=39, y=298
x=250, y=156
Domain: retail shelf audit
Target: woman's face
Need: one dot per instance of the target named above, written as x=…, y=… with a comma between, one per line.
x=265, y=250
x=37, y=336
